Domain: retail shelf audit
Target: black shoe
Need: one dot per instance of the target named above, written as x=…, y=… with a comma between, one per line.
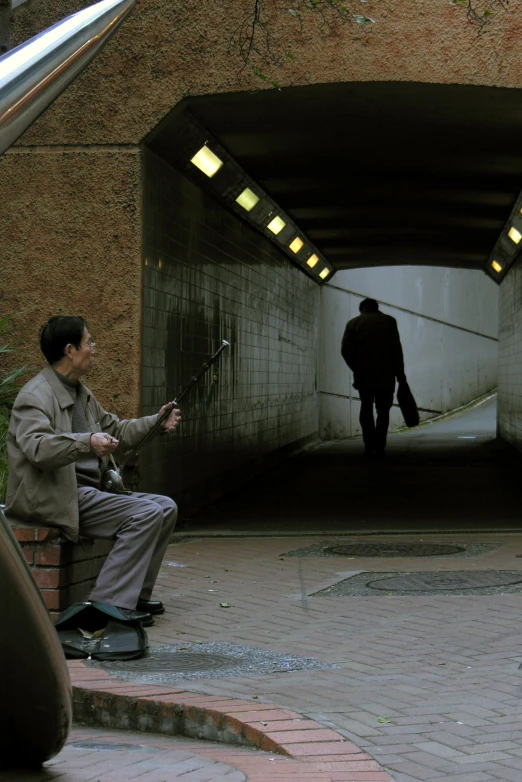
x=150, y=606
x=380, y=455
x=137, y=616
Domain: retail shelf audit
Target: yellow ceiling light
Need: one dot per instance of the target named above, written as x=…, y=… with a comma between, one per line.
x=324, y=274
x=276, y=225
x=207, y=161
x=514, y=235
x=496, y=265
x=296, y=245
x=247, y=199
x=313, y=259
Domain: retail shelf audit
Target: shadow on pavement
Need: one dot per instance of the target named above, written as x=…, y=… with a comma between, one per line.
x=450, y=475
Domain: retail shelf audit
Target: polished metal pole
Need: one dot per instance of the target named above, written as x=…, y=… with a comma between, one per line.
x=33, y=74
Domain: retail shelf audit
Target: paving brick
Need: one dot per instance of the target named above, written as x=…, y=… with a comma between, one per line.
x=302, y=736
x=441, y=669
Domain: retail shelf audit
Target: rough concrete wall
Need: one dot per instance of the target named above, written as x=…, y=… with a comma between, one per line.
x=509, y=357
x=209, y=277
x=71, y=239
x=447, y=320
x=169, y=49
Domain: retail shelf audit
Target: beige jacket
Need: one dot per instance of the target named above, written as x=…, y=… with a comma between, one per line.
x=42, y=451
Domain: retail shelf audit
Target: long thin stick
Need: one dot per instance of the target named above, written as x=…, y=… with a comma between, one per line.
x=175, y=402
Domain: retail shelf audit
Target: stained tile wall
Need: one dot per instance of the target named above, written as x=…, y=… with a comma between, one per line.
x=510, y=357
x=209, y=276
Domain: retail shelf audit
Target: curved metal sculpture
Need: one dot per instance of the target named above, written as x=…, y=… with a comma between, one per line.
x=35, y=690
x=36, y=72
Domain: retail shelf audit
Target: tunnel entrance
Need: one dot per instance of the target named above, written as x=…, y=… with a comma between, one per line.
x=408, y=227
x=374, y=173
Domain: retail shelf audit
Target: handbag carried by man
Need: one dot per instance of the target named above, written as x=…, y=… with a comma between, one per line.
x=407, y=404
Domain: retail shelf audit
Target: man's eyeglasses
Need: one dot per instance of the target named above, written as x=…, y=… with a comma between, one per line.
x=91, y=345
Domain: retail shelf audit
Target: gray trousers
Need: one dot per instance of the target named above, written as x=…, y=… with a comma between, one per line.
x=141, y=526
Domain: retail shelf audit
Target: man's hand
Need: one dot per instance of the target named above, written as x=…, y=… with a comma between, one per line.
x=172, y=421
x=103, y=444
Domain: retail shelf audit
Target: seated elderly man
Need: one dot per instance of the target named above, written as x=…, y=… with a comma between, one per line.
x=59, y=443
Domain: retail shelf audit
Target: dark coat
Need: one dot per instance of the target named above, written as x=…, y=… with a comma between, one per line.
x=372, y=349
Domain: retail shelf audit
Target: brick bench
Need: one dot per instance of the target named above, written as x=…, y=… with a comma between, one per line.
x=64, y=571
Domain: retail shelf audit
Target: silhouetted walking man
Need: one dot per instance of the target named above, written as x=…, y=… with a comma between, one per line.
x=372, y=349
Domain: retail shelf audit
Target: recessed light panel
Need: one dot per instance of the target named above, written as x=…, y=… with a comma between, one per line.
x=312, y=261
x=207, y=161
x=296, y=245
x=496, y=266
x=247, y=199
x=514, y=235
x=276, y=225
x=324, y=274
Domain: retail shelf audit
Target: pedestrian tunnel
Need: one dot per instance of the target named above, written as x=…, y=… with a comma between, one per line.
x=408, y=217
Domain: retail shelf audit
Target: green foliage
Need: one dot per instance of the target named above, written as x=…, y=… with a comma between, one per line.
x=9, y=385
x=360, y=19
x=9, y=381
x=478, y=15
x=264, y=77
x=4, y=423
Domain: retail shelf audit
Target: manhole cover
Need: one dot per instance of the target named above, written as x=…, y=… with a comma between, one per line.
x=97, y=745
x=433, y=582
x=180, y=662
x=393, y=550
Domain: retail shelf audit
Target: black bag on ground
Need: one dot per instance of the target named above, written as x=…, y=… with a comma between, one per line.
x=407, y=404
x=100, y=631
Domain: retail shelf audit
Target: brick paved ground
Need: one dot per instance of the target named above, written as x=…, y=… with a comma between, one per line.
x=427, y=686
x=120, y=756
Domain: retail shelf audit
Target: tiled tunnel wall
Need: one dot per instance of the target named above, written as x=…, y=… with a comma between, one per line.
x=209, y=276
x=510, y=357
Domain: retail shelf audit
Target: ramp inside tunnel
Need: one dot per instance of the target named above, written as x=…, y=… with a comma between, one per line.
x=450, y=475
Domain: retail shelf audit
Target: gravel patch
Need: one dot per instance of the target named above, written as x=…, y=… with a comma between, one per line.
x=194, y=661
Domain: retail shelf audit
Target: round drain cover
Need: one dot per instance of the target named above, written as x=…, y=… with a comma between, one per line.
x=426, y=582
x=97, y=745
x=393, y=550
x=180, y=662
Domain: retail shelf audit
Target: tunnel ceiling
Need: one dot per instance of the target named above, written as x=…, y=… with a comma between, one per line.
x=379, y=173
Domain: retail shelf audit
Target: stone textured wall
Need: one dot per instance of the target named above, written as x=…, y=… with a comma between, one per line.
x=169, y=49
x=447, y=320
x=509, y=357
x=71, y=241
x=209, y=277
